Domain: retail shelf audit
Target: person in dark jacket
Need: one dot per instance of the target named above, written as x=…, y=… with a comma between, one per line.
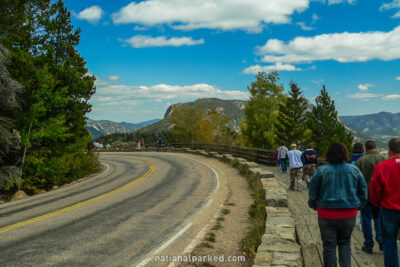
x=366, y=164
x=337, y=190
x=309, y=159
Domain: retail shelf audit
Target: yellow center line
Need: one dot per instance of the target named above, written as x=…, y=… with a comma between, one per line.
x=83, y=203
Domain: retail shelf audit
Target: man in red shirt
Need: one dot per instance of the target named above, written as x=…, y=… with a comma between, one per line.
x=384, y=191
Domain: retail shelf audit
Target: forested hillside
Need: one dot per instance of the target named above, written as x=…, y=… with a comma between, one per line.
x=47, y=141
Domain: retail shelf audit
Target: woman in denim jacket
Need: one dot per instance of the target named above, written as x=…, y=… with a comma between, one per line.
x=337, y=190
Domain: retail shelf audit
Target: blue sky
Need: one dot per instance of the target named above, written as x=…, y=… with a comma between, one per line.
x=149, y=54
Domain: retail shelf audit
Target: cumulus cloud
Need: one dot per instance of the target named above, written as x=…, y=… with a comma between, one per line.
x=141, y=41
x=391, y=97
x=250, y=15
x=121, y=94
x=365, y=86
x=363, y=95
x=113, y=78
x=278, y=67
x=342, y=47
x=92, y=14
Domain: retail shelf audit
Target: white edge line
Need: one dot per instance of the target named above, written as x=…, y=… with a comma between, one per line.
x=172, y=239
x=165, y=245
x=201, y=234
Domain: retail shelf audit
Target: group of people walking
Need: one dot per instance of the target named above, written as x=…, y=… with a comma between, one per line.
x=302, y=165
x=366, y=181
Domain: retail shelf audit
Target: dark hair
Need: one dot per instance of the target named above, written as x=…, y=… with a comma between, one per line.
x=394, y=145
x=358, y=148
x=337, y=153
x=309, y=145
x=370, y=144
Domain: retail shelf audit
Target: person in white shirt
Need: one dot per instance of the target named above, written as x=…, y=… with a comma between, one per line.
x=295, y=165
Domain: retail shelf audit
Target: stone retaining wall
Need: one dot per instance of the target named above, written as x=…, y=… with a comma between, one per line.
x=278, y=246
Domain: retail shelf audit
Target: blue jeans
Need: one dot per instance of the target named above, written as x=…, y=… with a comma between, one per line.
x=369, y=212
x=336, y=232
x=390, y=230
x=284, y=164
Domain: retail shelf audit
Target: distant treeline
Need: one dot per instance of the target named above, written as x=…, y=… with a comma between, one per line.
x=44, y=93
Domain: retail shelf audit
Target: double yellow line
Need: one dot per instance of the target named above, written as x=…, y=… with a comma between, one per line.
x=83, y=203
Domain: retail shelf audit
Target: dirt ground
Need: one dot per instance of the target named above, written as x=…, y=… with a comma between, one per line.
x=232, y=225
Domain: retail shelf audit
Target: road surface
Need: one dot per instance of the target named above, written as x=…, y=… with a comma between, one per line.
x=141, y=204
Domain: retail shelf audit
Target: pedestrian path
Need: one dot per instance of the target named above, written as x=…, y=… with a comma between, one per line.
x=308, y=231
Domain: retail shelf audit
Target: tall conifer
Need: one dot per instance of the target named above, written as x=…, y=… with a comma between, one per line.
x=324, y=124
x=291, y=126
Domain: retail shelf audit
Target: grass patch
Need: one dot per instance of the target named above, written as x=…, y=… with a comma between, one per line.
x=210, y=237
x=234, y=163
x=258, y=216
x=206, y=245
x=220, y=219
x=217, y=226
x=225, y=211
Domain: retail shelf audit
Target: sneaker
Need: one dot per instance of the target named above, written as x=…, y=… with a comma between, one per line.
x=380, y=245
x=366, y=250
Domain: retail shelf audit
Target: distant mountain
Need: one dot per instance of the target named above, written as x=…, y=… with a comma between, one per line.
x=232, y=108
x=104, y=127
x=381, y=126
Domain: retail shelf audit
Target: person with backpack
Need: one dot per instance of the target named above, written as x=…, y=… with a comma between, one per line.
x=309, y=158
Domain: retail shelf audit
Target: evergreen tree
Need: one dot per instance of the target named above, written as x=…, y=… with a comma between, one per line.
x=324, y=124
x=57, y=89
x=291, y=126
x=261, y=111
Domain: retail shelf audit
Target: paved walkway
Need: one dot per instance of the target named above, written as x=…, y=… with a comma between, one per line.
x=308, y=231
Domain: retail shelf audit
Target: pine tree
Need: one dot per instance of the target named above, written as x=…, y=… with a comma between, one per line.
x=324, y=124
x=291, y=126
x=261, y=111
x=57, y=90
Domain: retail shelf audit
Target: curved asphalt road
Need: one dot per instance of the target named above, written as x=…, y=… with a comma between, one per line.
x=114, y=230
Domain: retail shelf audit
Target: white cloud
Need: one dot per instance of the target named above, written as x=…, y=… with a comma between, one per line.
x=391, y=5
x=365, y=86
x=249, y=15
x=398, y=78
x=141, y=41
x=255, y=69
x=92, y=14
x=342, y=47
x=334, y=2
x=113, y=78
x=304, y=27
x=363, y=95
x=395, y=4
x=391, y=97
x=117, y=94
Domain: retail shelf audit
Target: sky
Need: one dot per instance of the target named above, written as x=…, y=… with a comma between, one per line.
x=150, y=54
